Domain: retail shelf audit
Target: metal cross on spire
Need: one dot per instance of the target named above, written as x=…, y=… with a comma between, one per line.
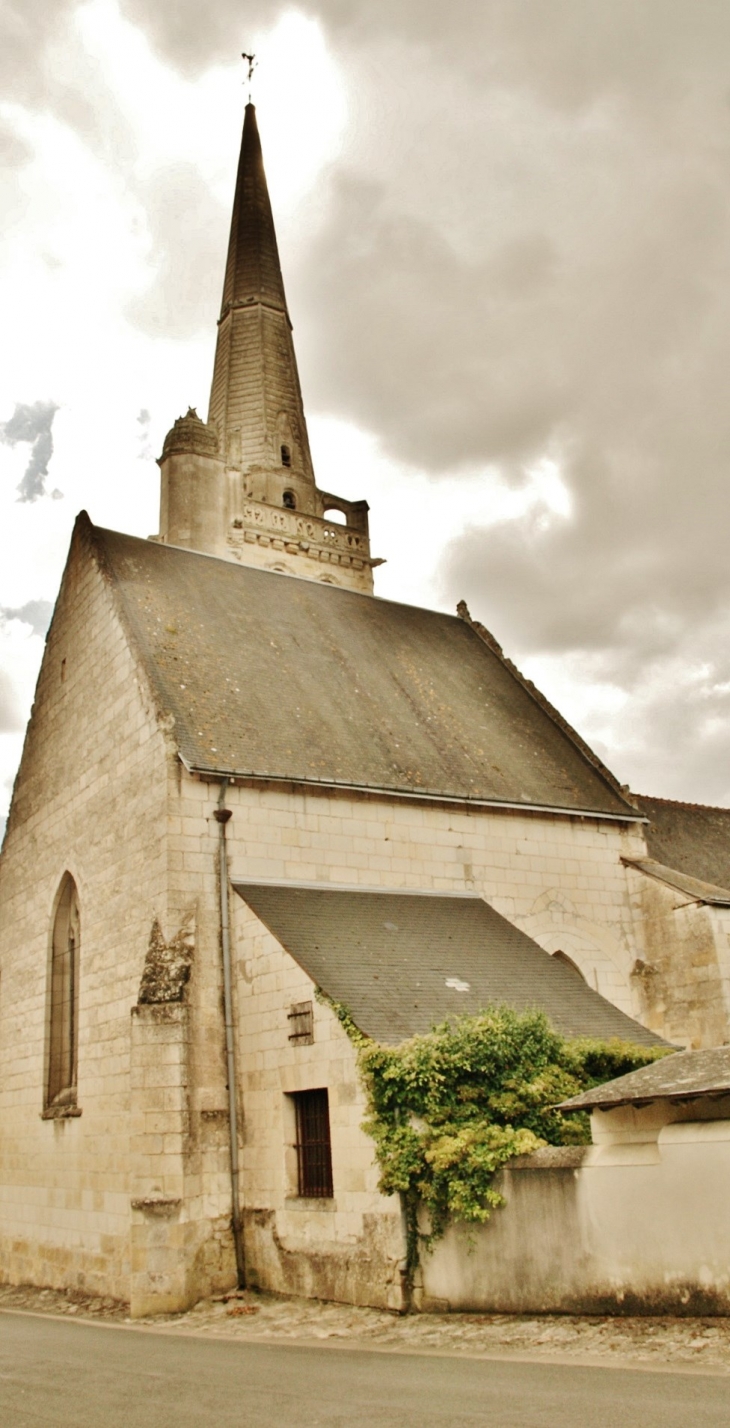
x=251, y=61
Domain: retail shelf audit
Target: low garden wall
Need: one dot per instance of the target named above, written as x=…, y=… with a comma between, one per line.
x=634, y=1227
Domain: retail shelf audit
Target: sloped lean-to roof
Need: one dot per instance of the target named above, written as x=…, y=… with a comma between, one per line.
x=692, y=888
x=403, y=962
x=681, y=1077
x=268, y=676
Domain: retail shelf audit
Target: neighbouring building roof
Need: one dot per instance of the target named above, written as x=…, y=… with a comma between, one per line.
x=691, y=887
x=689, y=837
x=403, y=962
x=675, y=1078
x=269, y=676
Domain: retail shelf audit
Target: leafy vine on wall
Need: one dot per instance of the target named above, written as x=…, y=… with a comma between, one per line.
x=448, y=1109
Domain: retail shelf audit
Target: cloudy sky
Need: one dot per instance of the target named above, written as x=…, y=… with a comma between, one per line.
x=505, y=229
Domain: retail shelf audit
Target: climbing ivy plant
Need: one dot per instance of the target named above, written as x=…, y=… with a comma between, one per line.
x=447, y=1110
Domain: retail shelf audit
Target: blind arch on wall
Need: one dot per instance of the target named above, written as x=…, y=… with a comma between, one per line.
x=64, y=997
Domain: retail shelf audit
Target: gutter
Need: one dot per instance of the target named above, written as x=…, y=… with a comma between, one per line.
x=452, y=799
x=222, y=815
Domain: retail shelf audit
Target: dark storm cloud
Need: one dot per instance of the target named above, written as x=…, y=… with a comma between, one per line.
x=36, y=613
x=524, y=253
x=32, y=425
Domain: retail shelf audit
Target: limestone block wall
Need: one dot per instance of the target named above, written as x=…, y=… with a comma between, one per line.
x=682, y=975
x=89, y=798
x=560, y=879
x=346, y=1248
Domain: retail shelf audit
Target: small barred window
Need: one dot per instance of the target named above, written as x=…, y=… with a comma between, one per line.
x=314, y=1151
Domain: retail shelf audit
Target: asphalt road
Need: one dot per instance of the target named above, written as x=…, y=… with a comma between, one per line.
x=55, y=1374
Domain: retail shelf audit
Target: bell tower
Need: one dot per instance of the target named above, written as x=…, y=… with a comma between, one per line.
x=241, y=485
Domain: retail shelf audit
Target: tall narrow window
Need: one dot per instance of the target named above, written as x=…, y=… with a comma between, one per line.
x=314, y=1152
x=286, y=456
x=63, y=1028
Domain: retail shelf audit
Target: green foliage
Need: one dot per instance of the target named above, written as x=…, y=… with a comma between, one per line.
x=447, y=1110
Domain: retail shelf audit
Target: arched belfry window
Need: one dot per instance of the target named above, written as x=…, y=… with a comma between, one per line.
x=64, y=1008
x=289, y=500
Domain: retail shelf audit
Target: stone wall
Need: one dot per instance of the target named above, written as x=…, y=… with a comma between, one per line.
x=558, y=878
x=682, y=975
x=89, y=799
x=638, y=1223
x=349, y=1247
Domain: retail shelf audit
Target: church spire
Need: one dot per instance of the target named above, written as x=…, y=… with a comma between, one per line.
x=241, y=485
x=256, y=401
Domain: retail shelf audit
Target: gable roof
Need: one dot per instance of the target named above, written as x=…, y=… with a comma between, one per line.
x=673, y=1078
x=403, y=962
x=273, y=677
x=690, y=837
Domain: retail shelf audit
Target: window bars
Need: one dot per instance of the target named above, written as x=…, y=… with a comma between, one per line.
x=314, y=1151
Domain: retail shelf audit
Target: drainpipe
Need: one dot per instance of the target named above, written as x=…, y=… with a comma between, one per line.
x=222, y=815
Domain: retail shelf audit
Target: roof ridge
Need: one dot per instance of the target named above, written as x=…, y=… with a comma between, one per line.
x=565, y=728
x=681, y=803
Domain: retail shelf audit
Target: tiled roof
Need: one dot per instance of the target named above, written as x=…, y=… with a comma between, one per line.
x=691, y=887
x=271, y=676
x=690, y=837
x=675, y=1078
x=403, y=962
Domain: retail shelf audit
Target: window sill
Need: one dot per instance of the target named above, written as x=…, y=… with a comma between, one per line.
x=60, y=1113
x=309, y=1202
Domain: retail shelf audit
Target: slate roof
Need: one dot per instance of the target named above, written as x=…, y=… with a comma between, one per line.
x=674, y=1078
x=690, y=837
x=272, y=676
x=691, y=887
x=402, y=962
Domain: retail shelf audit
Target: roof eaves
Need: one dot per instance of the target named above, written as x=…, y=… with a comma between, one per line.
x=353, y=888
x=421, y=795
x=588, y=1101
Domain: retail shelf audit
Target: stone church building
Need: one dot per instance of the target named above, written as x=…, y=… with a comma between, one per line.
x=249, y=786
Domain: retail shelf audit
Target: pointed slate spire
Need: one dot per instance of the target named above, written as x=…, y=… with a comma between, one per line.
x=256, y=400
x=253, y=271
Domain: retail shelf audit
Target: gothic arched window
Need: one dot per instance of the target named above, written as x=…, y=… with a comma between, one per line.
x=64, y=990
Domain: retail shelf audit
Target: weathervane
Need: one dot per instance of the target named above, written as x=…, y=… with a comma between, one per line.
x=251, y=62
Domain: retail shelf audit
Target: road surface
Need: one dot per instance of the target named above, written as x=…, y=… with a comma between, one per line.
x=56, y=1374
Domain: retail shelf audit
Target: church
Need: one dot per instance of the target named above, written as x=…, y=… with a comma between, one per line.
x=250, y=789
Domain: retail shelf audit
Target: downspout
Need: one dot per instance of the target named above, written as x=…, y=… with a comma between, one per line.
x=222, y=815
